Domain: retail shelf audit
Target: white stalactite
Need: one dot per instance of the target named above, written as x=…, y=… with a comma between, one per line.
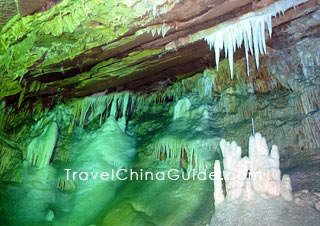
x=89, y=108
x=174, y=149
x=249, y=30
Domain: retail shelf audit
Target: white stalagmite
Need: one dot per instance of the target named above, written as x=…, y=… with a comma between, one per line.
x=286, y=189
x=259, y=173
x=218, y=192
x=248, y=190
x=235, y=168
x=264, y=167
x=249, y=30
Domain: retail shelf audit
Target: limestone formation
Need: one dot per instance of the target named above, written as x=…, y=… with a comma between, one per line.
x=286, y=189
x=235, y=168
x=40, y=148
x=218, y=192
x=135, y=84
x=181, y=108
x=264, y=167
x=258, y=173
x=249, y=193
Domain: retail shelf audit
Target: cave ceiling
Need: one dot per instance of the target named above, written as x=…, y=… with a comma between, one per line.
x=70, y=49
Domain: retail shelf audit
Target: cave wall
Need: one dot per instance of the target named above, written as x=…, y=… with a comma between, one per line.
x=174, y=116
x=179, y=126
x=282, y=98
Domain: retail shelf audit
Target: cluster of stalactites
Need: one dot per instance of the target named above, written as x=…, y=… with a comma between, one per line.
x=119, y=106
x=248, y=30
x=158, y=7
x=159, y=29
x=153, y=7
x=186, y=155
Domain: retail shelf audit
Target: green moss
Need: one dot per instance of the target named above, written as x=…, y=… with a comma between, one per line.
x=2, y=114
x=9, y=87
x=111, y=68
x=92, y=23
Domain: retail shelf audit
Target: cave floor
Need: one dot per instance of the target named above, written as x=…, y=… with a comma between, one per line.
x=305, y=177
x=264, y=212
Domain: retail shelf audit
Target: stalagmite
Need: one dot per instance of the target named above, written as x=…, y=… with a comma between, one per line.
x=249, y=193
x=218, y=192
x=235, y=168
x=265, y=168
x=105, y=149
x=286, y=190
x=40, y=148
x=258, y=173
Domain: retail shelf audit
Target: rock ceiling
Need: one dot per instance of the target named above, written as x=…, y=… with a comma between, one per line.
x=72, y=49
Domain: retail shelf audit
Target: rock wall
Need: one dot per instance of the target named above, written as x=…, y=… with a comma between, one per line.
x=282, y=99
x=177, y=127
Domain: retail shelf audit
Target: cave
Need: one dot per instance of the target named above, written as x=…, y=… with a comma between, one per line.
x=159, y=112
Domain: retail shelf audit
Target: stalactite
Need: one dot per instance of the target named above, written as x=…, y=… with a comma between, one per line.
x=205, y=86
x=158, y=7
x=181, y=109
x=159, y=29
x=249, y=30
x=86, y=110
x=176, y=151
x=66, y=185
